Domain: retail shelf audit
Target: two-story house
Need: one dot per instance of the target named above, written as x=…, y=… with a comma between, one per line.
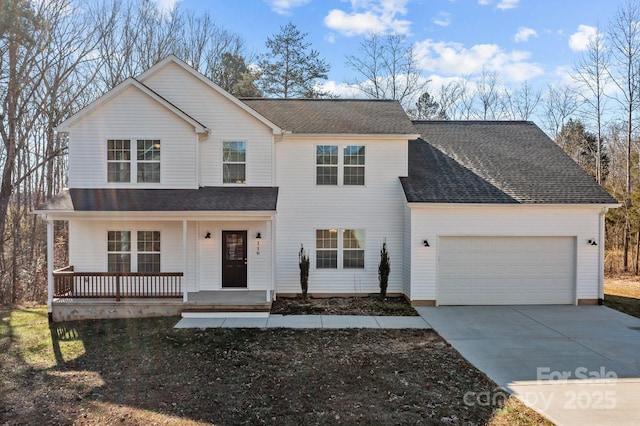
x=183, y=198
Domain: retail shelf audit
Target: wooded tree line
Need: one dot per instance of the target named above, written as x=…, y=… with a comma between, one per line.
x=57, y=56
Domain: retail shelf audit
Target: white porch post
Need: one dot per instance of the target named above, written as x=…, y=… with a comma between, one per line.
x=273, y=260
x=50, y=245
x=184, y=262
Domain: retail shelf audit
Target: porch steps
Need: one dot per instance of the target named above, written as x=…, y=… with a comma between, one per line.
x=229, y=304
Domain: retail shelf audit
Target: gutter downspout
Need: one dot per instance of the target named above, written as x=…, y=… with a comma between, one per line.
x=601, y=256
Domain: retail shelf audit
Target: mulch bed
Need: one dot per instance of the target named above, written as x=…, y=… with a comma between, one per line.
x=371, y=305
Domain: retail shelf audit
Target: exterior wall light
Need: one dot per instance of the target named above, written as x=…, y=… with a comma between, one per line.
x=592, y=242
x=425, y=243
x=207, y=235
x=258, y=236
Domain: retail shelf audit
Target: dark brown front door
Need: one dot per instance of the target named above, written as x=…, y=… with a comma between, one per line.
x=234, y=259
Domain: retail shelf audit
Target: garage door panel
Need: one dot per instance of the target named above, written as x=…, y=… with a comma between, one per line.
x=506, y=270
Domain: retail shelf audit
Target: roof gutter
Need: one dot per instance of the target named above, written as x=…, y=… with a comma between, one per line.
x=368, y=136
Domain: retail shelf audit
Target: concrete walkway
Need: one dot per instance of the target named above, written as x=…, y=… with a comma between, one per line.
x=576, y=365
x=306, y=321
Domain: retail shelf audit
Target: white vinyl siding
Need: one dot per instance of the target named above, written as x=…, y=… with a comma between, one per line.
x=227, y=121
x=435, y=223
x=304, y=206
x=132, y=115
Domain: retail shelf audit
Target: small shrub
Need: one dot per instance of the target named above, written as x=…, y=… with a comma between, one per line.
x=303, y=262
x=384, y=268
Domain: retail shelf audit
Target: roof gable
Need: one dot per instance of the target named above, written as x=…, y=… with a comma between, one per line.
x=494, y=162
x=172, y=59
x=112, y=94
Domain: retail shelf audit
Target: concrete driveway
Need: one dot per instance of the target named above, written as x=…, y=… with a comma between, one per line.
x=577, y=365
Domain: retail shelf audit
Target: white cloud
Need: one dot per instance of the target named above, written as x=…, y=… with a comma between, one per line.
x=166, y=5
x=284, y=7
x=508, y=4
x=524, y=34
x=370, y=16
x=443, y=19
x=341, y=90
x=453, y=59
x=502, y=4
x=579, y=41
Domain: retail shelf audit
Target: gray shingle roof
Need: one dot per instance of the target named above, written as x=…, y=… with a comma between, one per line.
x=334, y=116
x=494, y=162
x=164, y=200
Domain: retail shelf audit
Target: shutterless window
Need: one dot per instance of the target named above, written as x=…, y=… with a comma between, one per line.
x=353, y=248
x=148, y=160
x=354, y=165
x=119, y=251
x=148, y=251
x=234, y=162
x=327, y=165
x=327, y=248
x=119, y=160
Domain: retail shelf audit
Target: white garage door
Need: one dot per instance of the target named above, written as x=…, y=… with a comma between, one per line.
x=506, y=270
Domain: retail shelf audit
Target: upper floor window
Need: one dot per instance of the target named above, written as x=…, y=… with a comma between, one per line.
x=234, y=162
x=118, y=160
x=145, y=161
x=327, y=165
x=148, y=160
x=354, y=165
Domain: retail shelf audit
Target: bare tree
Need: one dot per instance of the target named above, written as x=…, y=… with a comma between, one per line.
x=387, y=68
x=521, y=103
x=592, y=76
x=559, y=104
x=624, y=38
x=488, y=94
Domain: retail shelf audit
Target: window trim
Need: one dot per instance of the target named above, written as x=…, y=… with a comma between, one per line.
x=336, y=166
x=351, y=249
x=245, y=162
x=340, y=249
x=340, y=165
x=138, y=252
x=359, y=166
x=138, y=162
x=120, y=252
x=134, y=247
x=133, y=160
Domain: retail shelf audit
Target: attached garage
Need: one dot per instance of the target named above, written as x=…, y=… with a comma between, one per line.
x=506, y=270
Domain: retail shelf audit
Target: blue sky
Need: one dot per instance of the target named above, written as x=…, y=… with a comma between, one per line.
x=533, y=40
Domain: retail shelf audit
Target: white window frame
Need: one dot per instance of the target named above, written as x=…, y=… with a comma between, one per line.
x=235, y=162
x=133, y=160
x=355, y=166
x=133, y=253
x=340, y=249
x=119, y=161
x=138, y=162
x=143, y=252
x=120, y=252
x=340, y=165
x=332, y=166
x=354, y=249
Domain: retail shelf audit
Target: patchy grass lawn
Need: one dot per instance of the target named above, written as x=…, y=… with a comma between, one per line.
x=372, y=305
x=145, y=372
x=622, y=292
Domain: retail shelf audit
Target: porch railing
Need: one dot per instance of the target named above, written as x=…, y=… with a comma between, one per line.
x=68, y=284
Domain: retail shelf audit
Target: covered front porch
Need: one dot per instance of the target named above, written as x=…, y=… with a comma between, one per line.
x=150, y=263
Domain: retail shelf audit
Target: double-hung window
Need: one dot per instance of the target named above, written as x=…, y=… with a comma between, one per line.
x=140, y=166
x=148, y=160
x=148, y=251
x=354, y=165
x=119, y=251
x=326, y=248
x=329, y=163
x=335, y=248
x=353, y=249
x=234, y=162
x=141, y=255
x=119, y=160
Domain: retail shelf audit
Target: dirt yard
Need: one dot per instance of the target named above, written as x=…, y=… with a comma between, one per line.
x=372, y=305
x=144, y=372
x=622, y=292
